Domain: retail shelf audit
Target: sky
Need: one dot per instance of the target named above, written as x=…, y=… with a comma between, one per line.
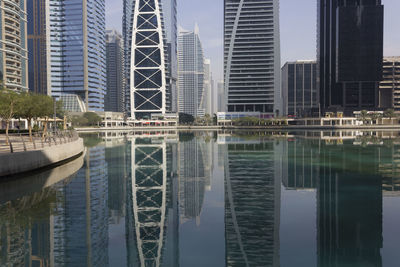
x=298, y=24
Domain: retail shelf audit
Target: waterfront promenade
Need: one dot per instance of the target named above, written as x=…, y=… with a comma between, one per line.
x=20, y=154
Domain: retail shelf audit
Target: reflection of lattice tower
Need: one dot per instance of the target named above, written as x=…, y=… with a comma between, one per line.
x=148, y=86
x=149, y=189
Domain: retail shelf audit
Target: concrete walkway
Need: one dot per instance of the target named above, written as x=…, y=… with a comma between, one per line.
x=24, y=156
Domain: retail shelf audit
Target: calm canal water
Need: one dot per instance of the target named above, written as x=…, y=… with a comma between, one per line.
x=210, y=199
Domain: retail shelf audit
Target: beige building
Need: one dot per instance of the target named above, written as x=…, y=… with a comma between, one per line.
x=389, y=89
x=13, y=45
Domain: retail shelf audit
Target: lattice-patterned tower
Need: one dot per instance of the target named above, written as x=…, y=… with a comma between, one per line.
x=148, y=84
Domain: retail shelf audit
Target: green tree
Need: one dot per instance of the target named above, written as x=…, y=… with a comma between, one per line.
x=9, y=105
x=374, y=117
x=29, y=109
x=364, y=116
x=45, y=110
x=186, y=118
x=79, y=121
x=92, y=118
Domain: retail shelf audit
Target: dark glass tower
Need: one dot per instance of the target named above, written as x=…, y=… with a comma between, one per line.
x=350, y=52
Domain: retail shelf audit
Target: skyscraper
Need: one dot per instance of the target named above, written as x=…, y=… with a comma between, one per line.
x=191, y=73
x=221, y=97
x=78, y=50
x=350, y=52
x=39, y=69
x=252, y=56
x=149, y=31
x=13, y=46
x=208, y=88
x=115, y=97
x=299, y=88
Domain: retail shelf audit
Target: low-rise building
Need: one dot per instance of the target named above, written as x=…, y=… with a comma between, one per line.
x=389, y=88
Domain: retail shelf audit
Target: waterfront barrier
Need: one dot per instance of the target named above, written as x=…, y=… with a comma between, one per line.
x=20, y=154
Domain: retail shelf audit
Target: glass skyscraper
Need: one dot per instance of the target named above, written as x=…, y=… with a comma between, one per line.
x=252, y=56
x=13, y=45
x=39, y=69
x=149, y=31
x=191, y=74
x=78, y=50
x=114, y=100
x=350, y=53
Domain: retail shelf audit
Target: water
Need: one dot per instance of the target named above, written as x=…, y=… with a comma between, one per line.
x=207, y=199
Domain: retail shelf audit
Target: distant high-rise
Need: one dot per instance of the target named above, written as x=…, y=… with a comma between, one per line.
x=13, y=45
x=350, y=52
x=78, y=50
x=191, y=74
x=299, y=88
x=149, y=32
x=115, y=97
x=221, y=97
x=208, y=88
x=389, y=88
x=252, y=56
x=39, y=69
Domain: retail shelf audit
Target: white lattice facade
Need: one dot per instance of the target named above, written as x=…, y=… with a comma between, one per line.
x=148, y=82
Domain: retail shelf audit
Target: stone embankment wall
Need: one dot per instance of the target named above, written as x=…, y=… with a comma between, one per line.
x=20, y=162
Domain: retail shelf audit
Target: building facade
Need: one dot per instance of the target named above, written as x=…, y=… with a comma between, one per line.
x=349, y=54
x=299, y=88
x=150, y=60
x=221, y=96
x=78, y=50
x=252, y=56
x=39, y=68
x=115, y=97
x=389, y=88
x=208, y=88
x=192, y=97
x=13, y=45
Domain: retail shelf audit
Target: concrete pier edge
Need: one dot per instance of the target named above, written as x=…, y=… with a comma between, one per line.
x=21, y=162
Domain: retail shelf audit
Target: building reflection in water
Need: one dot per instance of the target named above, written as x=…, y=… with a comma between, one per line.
x=28, y=218
x=350, y=173
x=195, y=166
x=149, y=185
x=253, y=172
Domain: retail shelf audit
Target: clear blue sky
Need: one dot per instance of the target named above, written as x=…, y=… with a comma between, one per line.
x=298, y=27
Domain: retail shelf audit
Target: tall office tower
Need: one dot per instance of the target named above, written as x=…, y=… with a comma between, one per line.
x=299, y=88
x=389, y=88
x=169, y=15
x=13, y=45
x=221, y=97
x=78, y=50
x=208, y=88
x=39, y=69
x=350, y=52
x=191, y=73
x=252, y=203
x=115, y=97
x=149, y=31
x=252, y=56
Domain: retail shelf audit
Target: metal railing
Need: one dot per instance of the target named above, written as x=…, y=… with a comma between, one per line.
x=19, y=142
